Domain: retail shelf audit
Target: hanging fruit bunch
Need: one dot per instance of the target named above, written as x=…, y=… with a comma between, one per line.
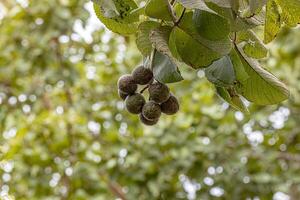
x=160, y=98
x=212, y=35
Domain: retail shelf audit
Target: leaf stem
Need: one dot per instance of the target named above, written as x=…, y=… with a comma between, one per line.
x=143, y=90
x=152, y=59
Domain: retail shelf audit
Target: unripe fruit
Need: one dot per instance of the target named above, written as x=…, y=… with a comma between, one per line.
x=171, y=106
x=159, y=92
x=142, y=75
x=126, y=84
x=122, y=95
x=151, y=111
x=148, y=122
x=134, y=103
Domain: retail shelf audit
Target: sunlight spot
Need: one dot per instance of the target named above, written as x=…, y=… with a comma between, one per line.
x=10, y=133
x=94, y=127
x=69, y=171
x=22, y=97
x=59, y=110
x=12, y=100
x=281, y=196
x=206, y=140
x=216, y=191
x=208, y=181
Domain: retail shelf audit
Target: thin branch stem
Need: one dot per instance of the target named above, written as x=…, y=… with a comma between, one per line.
x=152, y=59
x=143, y=90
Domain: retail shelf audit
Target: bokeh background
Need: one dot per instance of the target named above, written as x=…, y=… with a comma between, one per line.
x=64, y=133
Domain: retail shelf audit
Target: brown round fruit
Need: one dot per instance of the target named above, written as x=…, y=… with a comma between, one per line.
x=171, y=106
x=126, y=84
x=147, y=122
x=151, y=111
x=134, y=103
x=159, y=92
x=142, y=75
x=122, y=95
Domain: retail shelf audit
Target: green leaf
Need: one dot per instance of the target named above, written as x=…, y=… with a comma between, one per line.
x=221, y=3
x=107, y=7
x=195, y=50
x=221, y=72
x=237, y=23
x=143, y=41
x=256, y=5
x=211, y=26
x=172, y=46
x=165, y=67
x=195, y=4
x=252, y=45
x=126, y=22
x=290, y=12
x=239, y=71
x=232, y=98
x=262, y=87
x=273, y=18
x=165, y=70
x=280, y=12
x=191, y=51
x=158, y=9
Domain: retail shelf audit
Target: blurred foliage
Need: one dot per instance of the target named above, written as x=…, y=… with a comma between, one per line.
x=65, y=134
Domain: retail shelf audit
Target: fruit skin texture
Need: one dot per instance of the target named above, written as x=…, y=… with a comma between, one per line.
x=148, y=122
x=134, y=103
x=151, y=111
x=171, y=106
x=142, y=75
x=122, y=95
x=126, y=84
x=159, y=92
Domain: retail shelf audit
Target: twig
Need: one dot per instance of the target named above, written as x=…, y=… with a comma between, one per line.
x=152, y=59
x=143, y=90
x=117, y=190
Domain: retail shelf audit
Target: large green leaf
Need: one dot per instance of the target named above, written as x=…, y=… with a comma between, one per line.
x=158, y=9
x=290, y=11
x=221, y=72
x=195, y=50
x=232, y=98
x=252, y=45
x=165, y=68
x=107, y=7
x=143, y=41
x=126, y=20
x=195, y=4
x=191, y=51
x=280, y=12
x=211, y=26
x=240, y=73
x=273, y=18
x=222, y=3
x=262, y=87
x=237, y=23
x=256, y=5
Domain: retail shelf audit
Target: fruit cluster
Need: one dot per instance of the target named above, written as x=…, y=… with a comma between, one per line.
x=160, y=98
